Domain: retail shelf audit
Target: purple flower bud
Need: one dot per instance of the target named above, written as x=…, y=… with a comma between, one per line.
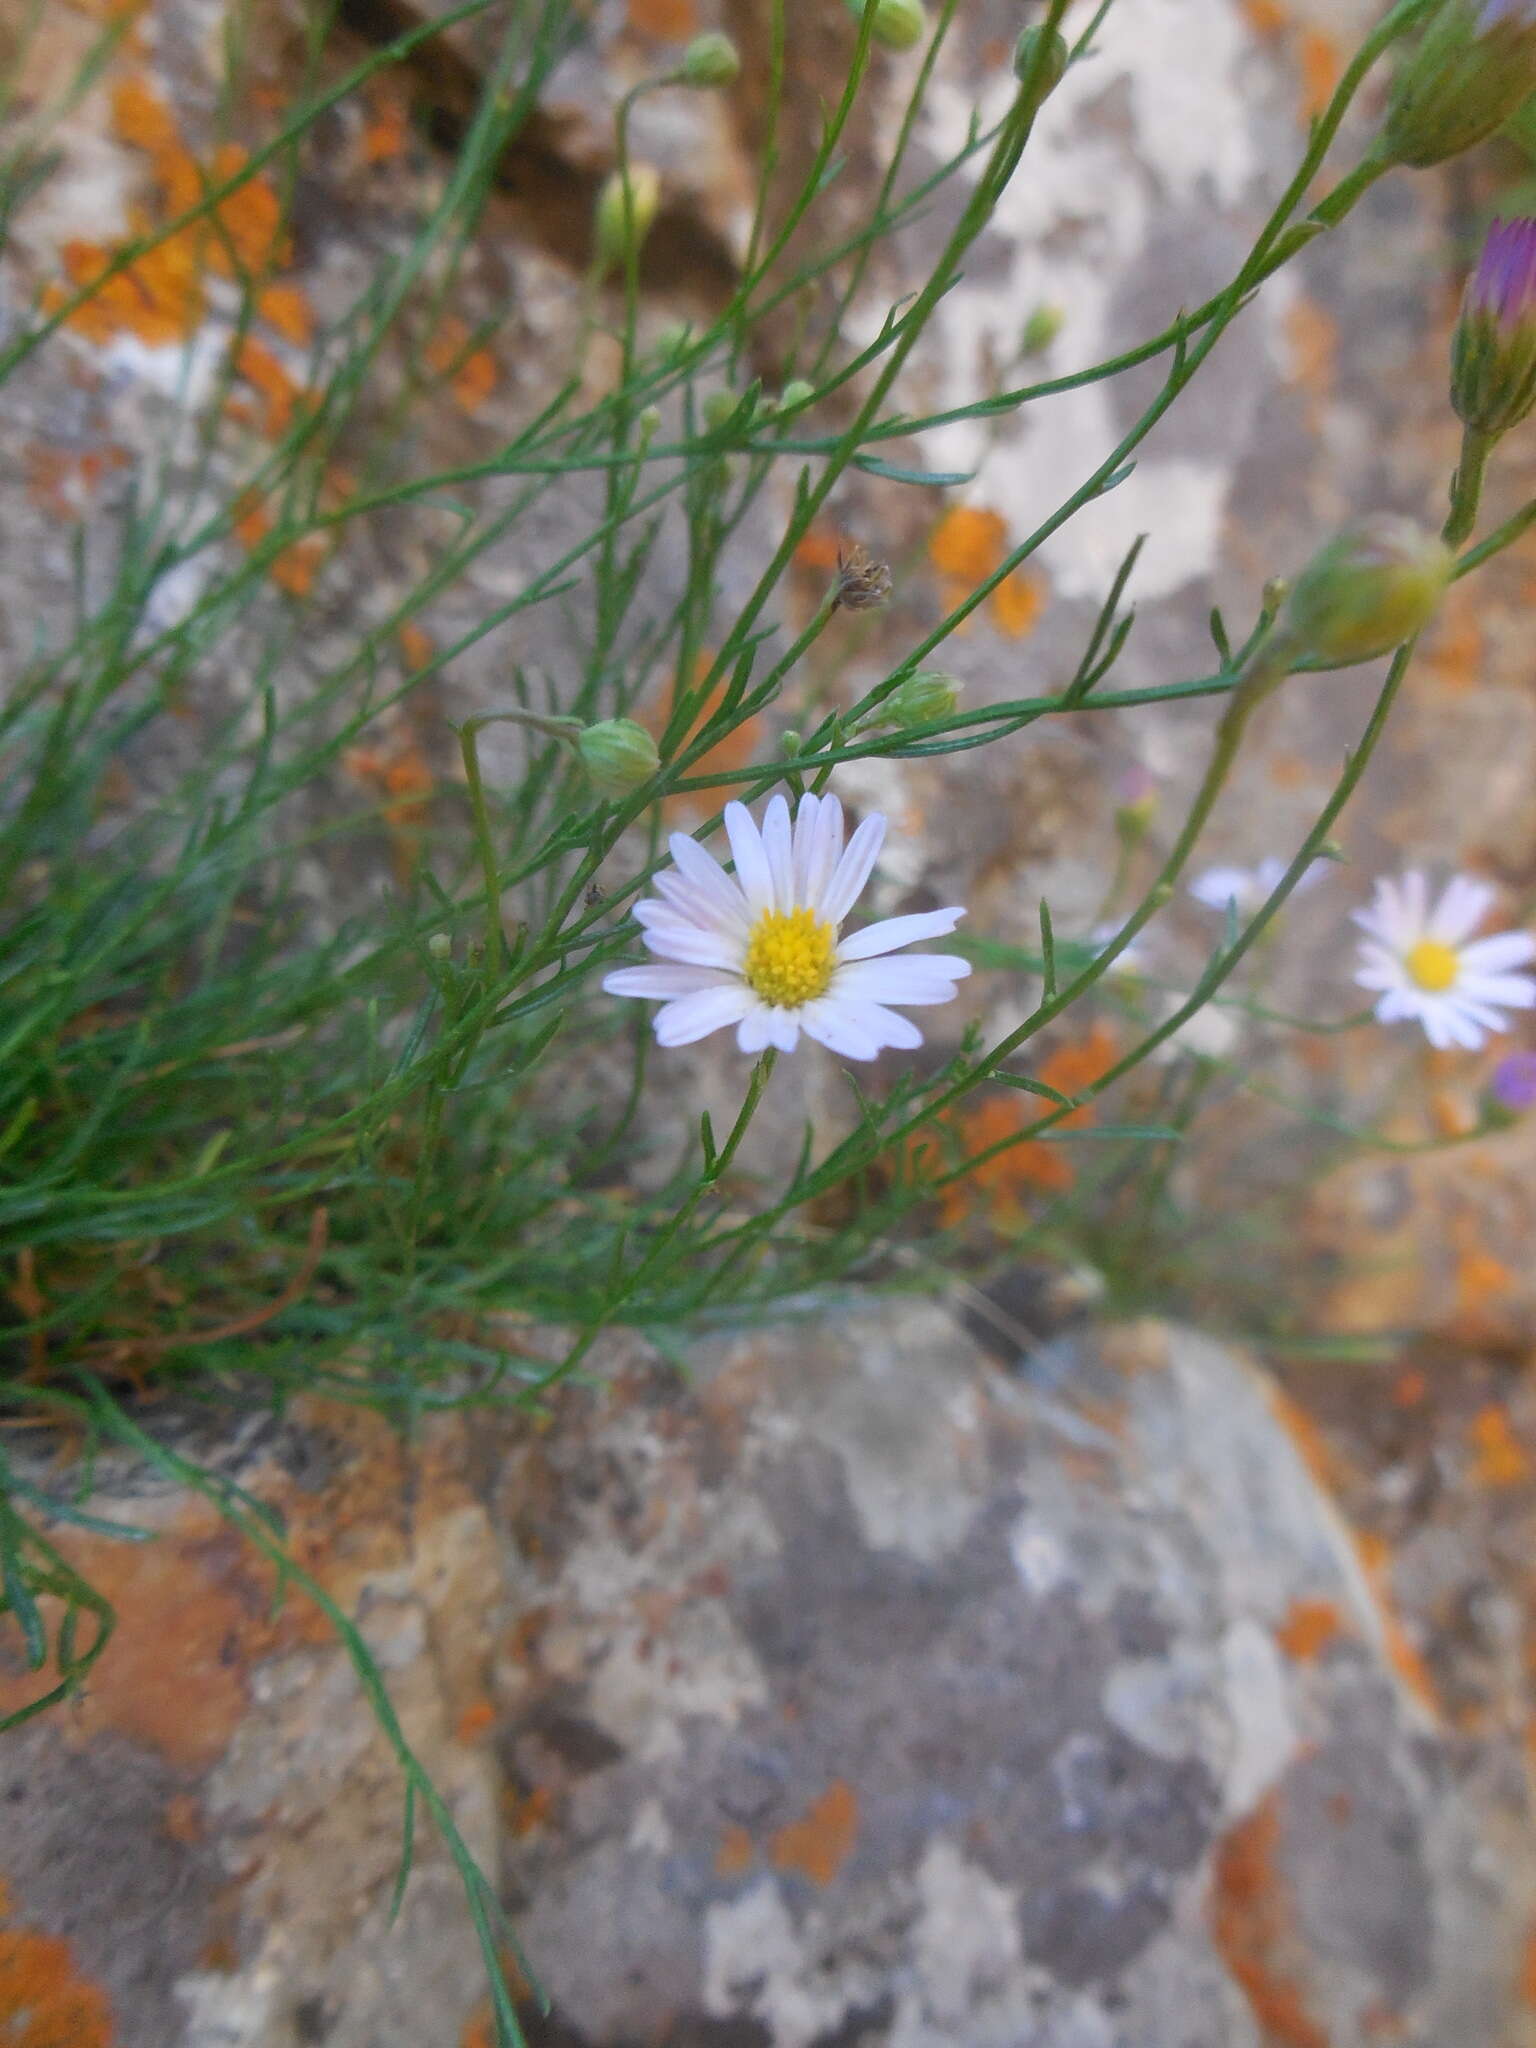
x=1514, y=1082
x=1493, y=355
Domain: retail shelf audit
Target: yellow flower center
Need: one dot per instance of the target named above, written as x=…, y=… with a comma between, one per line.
x=1432, y=965
x=790, y=957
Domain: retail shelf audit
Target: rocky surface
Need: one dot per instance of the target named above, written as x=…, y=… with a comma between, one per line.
x=861, y=1688
x=855, y=1687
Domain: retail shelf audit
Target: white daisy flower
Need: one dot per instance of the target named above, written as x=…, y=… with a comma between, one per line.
x=761, y=951
x=1426, y=965
x=1249, y=888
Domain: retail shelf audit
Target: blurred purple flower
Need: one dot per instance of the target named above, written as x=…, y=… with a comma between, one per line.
x=1493, y=355
x=1504, y=282
x=1514, y=1082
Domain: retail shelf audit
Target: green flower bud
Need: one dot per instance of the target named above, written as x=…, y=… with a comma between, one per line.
x=647, y=420
x=1493, y=355
x=1040, y=53
x=1373, y=586
x=1042, y=328
x=622, y=219
x=898, y=24
x=618, y=756
x=711, y=59
x=1474, y=65
x=673, y=339
x=920, y=698
x=439, y=945
x=719, y=407
x=797, y=392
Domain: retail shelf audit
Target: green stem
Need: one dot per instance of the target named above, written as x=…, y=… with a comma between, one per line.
x=1467, y=485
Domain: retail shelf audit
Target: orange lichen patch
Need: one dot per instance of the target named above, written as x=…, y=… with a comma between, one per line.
x=243, y=235
x=184, y=1819
x=1480, y=1278
x=1034, y=1164
x=1308, y=1628
x=729, y=753
x=1317, y=1453
x=1017, y=603
x=64, y=481
x=531, y=1811
x=999, y=1185
x=736, y=1854
x=280, y=393
x=44, y=2002
x=1251, y=1924
x=1528, y=1970
x=192, y=1609
x=1499, y=1458
x=818, y=549
x=387, y=129
x=142, y=118
x=471, y=373
x=1313, y=338
x=1375, y=1554
x=400, y=772
x=1072, y=1068
x=1457, y=647
x=416, y=645
x=286, y=310
x=1266, y=17
x=477, y=1719
x=1410, y=1389
x=1321, y=59
x=669, y=21
x=1451, y=1114
x=967, y=544
x=158, y=297
x=292, y=568
x=821, y=1841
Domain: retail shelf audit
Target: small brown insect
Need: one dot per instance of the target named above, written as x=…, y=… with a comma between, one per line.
x=862, y=582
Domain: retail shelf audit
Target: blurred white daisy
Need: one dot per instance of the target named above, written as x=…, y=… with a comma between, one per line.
x=1249, y=888
x=761, y=951
x=1426, y=966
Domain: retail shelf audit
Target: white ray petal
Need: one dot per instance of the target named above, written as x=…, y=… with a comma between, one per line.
x=831, y=1024
x=918, y=978
x=694, y=1017
x=755, y=1030
x=665, y=982
x=706, y=875
x=1494, y=955
x=753, y=874
x=778, y=849
x=693, y=947
x=892, y=932
x=853, y=870
x=825, y=850
x=1462, y=907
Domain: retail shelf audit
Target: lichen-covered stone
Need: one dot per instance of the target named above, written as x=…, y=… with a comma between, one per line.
x=854, y=1688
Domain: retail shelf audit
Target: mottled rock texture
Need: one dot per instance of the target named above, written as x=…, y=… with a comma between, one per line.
x=859, y=1688
x=852, y=1687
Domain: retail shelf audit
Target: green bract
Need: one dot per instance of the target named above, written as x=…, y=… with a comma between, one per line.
x=1470, y=71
